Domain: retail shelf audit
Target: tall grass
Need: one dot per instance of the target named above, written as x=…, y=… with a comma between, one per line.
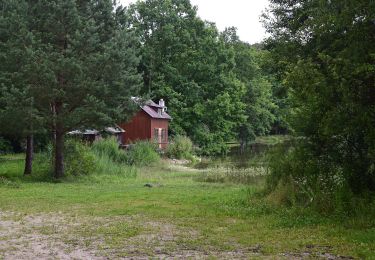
x=111, y=160
x=143, y=153
x=253, y=175
x=109, y=147
x=106, y=166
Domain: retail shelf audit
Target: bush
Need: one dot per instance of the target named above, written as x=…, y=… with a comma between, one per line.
x=5, y=146
x=180, y=148
x=143, y=153
x=110, y=148
x=79, y=159
x=298, y=177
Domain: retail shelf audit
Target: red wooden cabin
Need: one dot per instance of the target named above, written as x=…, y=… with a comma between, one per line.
x=150, y=123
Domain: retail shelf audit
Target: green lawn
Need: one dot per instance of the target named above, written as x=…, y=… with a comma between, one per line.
x=179, y=216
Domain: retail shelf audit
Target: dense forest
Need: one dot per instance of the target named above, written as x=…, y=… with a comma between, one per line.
x=81, y=72
x=70, y=64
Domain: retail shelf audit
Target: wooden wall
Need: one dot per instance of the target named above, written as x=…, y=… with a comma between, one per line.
x=137, y=129
x=141, y=127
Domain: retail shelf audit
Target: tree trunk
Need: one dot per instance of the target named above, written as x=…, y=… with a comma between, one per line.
x=59, y=154
x=29, y=154
x=59, y=142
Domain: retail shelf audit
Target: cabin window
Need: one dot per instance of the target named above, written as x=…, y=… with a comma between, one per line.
x=156, y=134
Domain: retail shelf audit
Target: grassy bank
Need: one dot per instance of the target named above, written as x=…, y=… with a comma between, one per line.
x=181, y=215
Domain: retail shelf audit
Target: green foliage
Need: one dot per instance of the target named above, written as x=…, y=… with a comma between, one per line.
x=79, y=159
x=258, y=99
x=110, y=159
x=82, y=76
x=186, y=61
x=18, y=115
x=109, y=147
x=5, y=146
x=325, y=53
x=105, y=166
x=143, y=153
x=181, y=147
x=297, y=178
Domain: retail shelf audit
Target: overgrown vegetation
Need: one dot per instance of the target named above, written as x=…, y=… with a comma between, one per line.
x=253, y=175
x=103, y=158
x=109, y=148
x=324, y=54
x=181, y=147
x=143, y=153
x=80, y=159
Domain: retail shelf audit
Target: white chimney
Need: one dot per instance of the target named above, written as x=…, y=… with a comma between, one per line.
x=161, y=103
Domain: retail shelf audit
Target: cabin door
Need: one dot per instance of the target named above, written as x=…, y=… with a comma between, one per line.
x=158, y=136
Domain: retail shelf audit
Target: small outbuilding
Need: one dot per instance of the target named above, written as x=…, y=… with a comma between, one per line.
x=149, y=123
x=92, y=135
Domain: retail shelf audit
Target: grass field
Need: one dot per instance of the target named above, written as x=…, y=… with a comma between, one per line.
x=180, y=216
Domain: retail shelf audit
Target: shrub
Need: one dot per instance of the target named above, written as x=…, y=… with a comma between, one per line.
x=143, y=153
x=5, y=146
x=180, y=148
x=109, y=148
x=79, y=159
x=297, y=177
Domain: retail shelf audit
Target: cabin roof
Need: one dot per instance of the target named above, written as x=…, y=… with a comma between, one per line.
x=154, y=114
x=111, y=130
x=114, y=130
x=151, y=109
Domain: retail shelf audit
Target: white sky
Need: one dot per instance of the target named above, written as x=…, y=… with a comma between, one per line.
x=243, y=14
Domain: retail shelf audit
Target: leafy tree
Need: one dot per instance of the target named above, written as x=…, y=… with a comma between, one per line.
x=185, y=61
x=260, y=108
x=327, y=49
x=83, y=66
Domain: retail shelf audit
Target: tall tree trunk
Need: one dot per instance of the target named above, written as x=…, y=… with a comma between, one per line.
x=59, y=154
x=29, y=154
x=59, y=142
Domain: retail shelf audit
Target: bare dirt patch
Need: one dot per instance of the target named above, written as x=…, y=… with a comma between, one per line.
x=40, y=237
x=61, y=236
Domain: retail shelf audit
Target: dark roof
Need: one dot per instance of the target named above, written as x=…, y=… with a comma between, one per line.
x=151, y=109
x=154, y=114
x=152, y=104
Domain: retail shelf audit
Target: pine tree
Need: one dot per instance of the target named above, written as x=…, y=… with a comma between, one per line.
x=18, y=116
x=84, y=66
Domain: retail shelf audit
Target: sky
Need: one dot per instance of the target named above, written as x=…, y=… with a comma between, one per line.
x=243, y=14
